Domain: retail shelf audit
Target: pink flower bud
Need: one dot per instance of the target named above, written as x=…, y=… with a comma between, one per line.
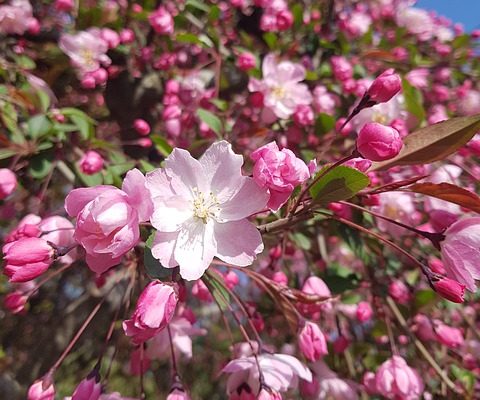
x=246, y=61
x=312, y=342
x=154, y=310
x=15, y=302
x=41, y=389
x=8, y=183
x=304, y=115
x=284, y=20
x=88, y=389
x=368, y=382
x=395, y=379
x=378, y=142
x=145, y=142
x=111, y=37
x=100, y=76
x=449, y=336
x=161, y=21
x=127, y=36
x=450, y=289
x=91, y=162
x=280, y=278
x=385, y=86
x=178, y=394
x=364, y=311
x=359, y=163
x=399, y=292
x=88, y=82
x=64, y=5
x=141, y=126
x=231, y=279
x=27, y=258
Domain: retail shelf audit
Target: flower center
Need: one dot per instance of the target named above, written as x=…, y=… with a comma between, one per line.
x=380, y=118
x=205, y=206
x=87, y=56
x=278, y=92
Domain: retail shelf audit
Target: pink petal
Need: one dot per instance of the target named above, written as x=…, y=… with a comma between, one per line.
x=248, y=200
x=79, y=198
x=139, y=197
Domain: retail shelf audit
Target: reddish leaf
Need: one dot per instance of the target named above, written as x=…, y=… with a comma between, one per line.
x=448, y=192
x=434, y=142
x=394, y=185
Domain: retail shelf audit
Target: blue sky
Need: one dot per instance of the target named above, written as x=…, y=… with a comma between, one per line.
x=465, y=11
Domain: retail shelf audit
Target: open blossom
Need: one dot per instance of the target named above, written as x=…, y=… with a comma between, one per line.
x=108, y=219
x=16, y=17
x=201, y=209
x=279, y=171
x=329, y=385
x=398, y=206
x=280, y=372
x=461, y=251
x=8, y=183
x=86, y=50
x=396, y=380
x=154, y=310
x=281, y=86
x=417, y=22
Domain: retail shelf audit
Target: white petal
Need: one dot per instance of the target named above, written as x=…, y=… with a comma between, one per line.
x=185, y=173
x=163, y=248
x=170, y=213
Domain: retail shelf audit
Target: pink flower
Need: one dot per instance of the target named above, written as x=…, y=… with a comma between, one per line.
x=268, y=394
x=91, y=163
x=417, y=22
x=141, y=126
x=330, y=386
x=8, y=183
x=154, y=310
x=87, y=50
x=323, y=101
x=27, y=258
x=378, y=142
x=88, y=389
x=178, y=394
x=398, y=206
x=59, y=231
x=385, y=86
x=280, y=372
x=317, y=287
x=304, y=115
x=396, y=380
x=280, y=86
x=108, y=219
x=246, y=61
x=359, y=163
x=201, y=209
x=448, y=335
x=279, y=171
x=312, y=342
x=15, y=302
x=182, y=331
x=41, y=389
x=64, y=5
x=399, y=292
x=364, y=311
x=16, y=18
x=341, y=68
x=161, y=21
x=461, y=251
x=450, y=289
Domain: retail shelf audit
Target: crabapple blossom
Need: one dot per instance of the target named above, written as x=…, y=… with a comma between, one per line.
x=201, y=209
x=279, y=171
x=450, y=289
x=154, y=310
x=141, y=126
x=41, y=389
x=330, y=386
x=8, y=183
x=312, y=342
x=377, y=142
x=385, y=86
x=88, y=389
x=281, y=87
x=178, y=394
x=108, y=219
x=396, y=380
x=398, y=206
x=461, y=251
x=27, y=258
x=16, y=17
x=161, y=21
x=280, y=372
x=15, y=302
x=91, y=162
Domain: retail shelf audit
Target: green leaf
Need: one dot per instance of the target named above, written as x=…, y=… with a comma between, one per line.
x=217, y=290
x=302, y=241
x=6, y=153
x=434, y=142
x=153, y=267
x=341, y=183
x=425, y=297
x=39, y=126
x=198, y=5
x=145, y=166
x=211, y=120
x=222, y=105
x=324, y=124
x=40, y=165
x=413, y=100
x=162, y=145
x=188, y=38
x=84, y=123
x=465, y=376
x=271, y=40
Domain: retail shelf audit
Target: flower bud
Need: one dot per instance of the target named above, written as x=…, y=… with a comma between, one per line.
x=141, y=126
x=178, y=394
x=41, y=389
x=64, y=5
x=364, y=311
x=267, y=394
x=27, y=258
x=91, y=162
x=161, y=21
x=395, y=379
x=246, y=61
x=385, y=86
x=88, y=389
x=378, y=142
x=312, y=342
x=450, y=289
x=154, y=310
x=8, y=182
x=15, y=302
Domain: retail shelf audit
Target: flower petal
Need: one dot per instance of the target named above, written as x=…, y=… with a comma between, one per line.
x=185, y=172
x=79, y=198
x=163, y=248
x=139, y=197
